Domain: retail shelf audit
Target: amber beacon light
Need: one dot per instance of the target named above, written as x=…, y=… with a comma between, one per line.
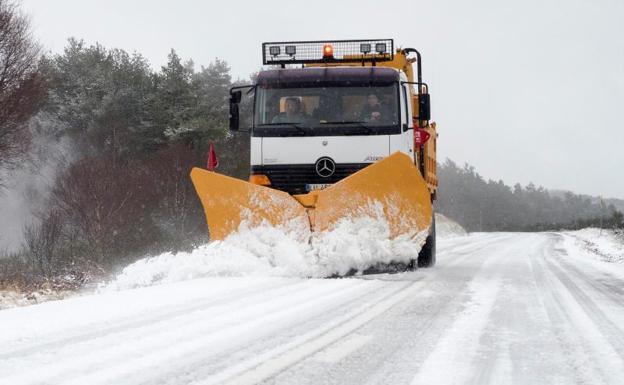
x=328, y=51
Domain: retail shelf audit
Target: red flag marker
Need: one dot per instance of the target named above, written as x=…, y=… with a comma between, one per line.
x=213, y=161
x=420, y=136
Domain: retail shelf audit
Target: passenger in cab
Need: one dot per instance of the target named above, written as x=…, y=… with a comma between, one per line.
x=374, y=111
x=293, y=112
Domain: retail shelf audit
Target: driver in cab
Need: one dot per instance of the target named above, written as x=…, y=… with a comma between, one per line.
x=373, y=111
x=293, y=112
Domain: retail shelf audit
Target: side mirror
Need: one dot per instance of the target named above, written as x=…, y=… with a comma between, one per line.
x=424, y=107
x=235, y=98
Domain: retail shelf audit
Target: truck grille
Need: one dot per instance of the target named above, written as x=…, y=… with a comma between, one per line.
x=293, y=178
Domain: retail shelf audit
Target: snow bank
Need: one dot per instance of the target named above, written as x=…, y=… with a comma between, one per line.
x=606, y=245
x=354, y=244
x=448, y=228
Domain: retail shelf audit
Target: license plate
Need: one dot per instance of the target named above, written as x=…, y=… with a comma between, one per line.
x=317, y=186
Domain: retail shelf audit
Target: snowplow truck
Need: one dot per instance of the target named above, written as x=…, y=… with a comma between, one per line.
x=341, y=129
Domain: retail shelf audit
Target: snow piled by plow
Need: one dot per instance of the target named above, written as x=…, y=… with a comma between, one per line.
x=354, y=244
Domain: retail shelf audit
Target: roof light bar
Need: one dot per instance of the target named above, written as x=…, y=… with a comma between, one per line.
x=327, y=51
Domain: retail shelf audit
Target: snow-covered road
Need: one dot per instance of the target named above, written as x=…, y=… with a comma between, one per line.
x=498, y=308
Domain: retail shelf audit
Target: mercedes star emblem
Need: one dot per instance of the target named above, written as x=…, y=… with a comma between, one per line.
x=325, y=167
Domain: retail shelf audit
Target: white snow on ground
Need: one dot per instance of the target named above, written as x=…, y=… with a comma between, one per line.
x=267, y=251
x=447, y=228
x=607, y=245
x=354, y=244
x=498, y=308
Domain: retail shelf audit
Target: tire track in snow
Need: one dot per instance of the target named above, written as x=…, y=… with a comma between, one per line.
x=274, y=361
x=495, y=247
x=270, y=359
x=611, y=288
x=149, y=324
x=390, y=365
x=613, y=334
x=564, y=271
x=205, y=365
x=117, y=362
x=571, y=346
x=589, y=356
x=461, y=342
x=460, y=246
x=518, y=345
x=491, y=359
x=127, y=345
x=99, y=330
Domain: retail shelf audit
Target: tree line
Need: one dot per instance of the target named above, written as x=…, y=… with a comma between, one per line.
x=488, y=205
x=124, y=189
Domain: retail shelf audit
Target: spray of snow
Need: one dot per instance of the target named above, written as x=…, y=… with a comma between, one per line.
x=363, y=241
x=28, y=187
x=353, y=244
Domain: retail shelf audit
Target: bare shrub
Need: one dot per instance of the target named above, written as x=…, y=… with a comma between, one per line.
x=15, y=272
x=178, y=212
x=108, y=203
x=22, y=89
x=41, y=241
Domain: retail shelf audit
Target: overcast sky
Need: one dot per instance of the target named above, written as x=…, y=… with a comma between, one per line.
x=526, y=91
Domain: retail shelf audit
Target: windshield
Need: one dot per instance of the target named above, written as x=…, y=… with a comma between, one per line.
x=332, y=110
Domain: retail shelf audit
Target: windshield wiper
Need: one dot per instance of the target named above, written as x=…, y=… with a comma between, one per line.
x=359, y=123
x=298, y=126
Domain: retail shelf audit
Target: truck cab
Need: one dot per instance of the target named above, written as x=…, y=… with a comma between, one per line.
x=345, y=105
x=339, y=133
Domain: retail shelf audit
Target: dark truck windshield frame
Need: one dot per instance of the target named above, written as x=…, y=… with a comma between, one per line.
x=326, y=109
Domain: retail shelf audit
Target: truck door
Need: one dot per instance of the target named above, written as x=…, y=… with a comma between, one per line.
x=404, y=141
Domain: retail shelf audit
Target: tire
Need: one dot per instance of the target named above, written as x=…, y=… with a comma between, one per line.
x=427, y=255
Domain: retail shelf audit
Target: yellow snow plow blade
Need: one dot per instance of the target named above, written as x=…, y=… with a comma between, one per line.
x=228, y=202
x=391, y=189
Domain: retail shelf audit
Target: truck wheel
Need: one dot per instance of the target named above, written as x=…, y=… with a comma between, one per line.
x=427, y=255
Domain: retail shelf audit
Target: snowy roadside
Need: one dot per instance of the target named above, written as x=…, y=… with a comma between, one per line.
x=13, y=298
x=24, y=288
x=448, y=228
x=262, y=252
x=32, y=293
x=603, y=245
